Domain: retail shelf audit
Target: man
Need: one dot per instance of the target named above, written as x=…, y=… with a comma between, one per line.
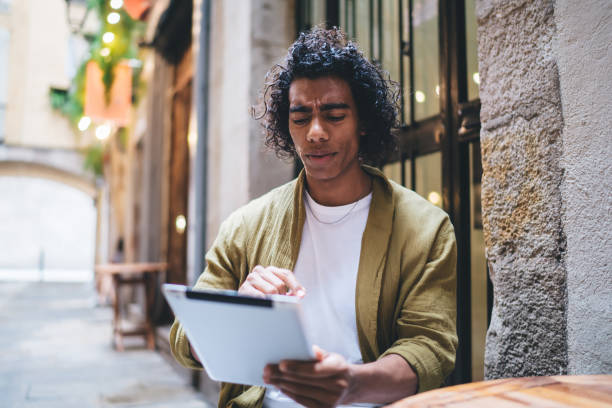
x=373, y=262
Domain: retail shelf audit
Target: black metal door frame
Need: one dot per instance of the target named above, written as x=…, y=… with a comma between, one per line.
x=450, y=132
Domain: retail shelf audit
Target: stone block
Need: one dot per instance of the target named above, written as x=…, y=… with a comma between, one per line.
x=521, y=150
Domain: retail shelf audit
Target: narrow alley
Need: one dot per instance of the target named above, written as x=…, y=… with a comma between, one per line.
x=56, y=352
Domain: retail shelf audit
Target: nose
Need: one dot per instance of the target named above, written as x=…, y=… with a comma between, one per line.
x=316, y=131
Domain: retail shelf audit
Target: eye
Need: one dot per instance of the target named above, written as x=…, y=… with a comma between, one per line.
x=302, y=121
x=335, y=118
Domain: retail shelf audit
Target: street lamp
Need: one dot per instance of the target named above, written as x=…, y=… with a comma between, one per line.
x=76, y=15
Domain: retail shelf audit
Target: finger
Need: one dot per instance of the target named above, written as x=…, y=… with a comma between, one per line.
x=248, y=290
x=256, y=279
x=259, y=283
x=330, y=365
x=288, y=277
x=270, y=370
x=319, y=353
x=275, y=281
x=276, y=376
x=261, y=278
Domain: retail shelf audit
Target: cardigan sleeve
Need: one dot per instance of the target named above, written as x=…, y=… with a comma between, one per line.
x=426, y=328
x=226, y=266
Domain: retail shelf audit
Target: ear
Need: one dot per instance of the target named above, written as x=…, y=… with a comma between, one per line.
x=361, y=129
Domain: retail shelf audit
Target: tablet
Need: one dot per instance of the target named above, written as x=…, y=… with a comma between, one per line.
x=235, y=336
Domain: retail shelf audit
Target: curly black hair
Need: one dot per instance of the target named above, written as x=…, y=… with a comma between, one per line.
x=327, y=52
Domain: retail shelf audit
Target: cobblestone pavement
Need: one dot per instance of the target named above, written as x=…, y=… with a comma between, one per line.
x=55, y=351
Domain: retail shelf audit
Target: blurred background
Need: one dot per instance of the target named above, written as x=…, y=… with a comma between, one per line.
x=126, y=138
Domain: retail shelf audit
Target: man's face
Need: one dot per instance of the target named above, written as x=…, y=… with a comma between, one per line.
x=324, y=126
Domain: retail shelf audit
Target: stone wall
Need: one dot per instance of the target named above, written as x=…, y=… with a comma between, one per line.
x=585, y=56
x=521, y=141
x=272, y=32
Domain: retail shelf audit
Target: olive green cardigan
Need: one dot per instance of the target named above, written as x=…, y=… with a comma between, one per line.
x=405, y=295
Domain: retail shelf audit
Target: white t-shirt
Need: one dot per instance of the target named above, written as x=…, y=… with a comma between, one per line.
x=327, y=267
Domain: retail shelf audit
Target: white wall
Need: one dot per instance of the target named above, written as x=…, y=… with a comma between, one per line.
x=42, y=216
x=584, y=59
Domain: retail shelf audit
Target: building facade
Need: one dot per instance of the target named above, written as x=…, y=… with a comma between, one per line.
x=40, y=156
x=503, y=125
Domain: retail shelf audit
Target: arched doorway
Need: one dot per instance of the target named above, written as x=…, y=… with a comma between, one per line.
x=48, y=223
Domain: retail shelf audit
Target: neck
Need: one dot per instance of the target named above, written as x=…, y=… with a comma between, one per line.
x=342, y=190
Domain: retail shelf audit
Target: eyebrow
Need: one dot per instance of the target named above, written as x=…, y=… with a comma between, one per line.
x=324, y=107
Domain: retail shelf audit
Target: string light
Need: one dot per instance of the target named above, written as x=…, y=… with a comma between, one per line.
x=108, y=37
x=113, y=18
x=103, y=132
x=105, y=52
x=84, y=123
x=116, y=4
x=476, y=78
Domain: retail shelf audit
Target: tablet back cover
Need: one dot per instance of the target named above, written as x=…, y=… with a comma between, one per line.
x=235, y=336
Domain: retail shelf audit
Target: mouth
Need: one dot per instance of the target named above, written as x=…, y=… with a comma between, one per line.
x=320, y=156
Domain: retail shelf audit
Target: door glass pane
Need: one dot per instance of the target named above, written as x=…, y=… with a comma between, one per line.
x=393, y=171
x=317, y=11
x=426, y=49
x=362, y=26
x=390, y=38
x=375, y=33
x=473, y=77
x=346, y=17
x=342, y=15
x=407, y=168
x=428, y=177
x=406, y=87
x=478, y=267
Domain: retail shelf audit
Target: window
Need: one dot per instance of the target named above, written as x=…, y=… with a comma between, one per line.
x=5, y=6
x=4, y=66
x=429, y=48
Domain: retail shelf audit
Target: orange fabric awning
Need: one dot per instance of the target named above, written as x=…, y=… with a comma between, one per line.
x=119, y=107
x=137, y=8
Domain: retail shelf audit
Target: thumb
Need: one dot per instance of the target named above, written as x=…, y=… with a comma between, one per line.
x=319, y=353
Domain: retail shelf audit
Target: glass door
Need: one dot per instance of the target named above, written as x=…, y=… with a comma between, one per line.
x=429, y=48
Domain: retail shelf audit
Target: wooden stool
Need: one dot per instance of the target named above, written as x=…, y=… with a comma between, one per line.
x=133, y=274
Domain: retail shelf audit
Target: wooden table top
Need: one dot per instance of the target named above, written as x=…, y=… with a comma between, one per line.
x=589, y=391
x=131, y=268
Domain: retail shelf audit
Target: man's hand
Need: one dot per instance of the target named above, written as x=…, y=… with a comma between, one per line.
x=271, y=281
x=330, y=380
x=324, y=382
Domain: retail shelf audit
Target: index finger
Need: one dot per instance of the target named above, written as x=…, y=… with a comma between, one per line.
x=309, y=369
x=289, y=279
